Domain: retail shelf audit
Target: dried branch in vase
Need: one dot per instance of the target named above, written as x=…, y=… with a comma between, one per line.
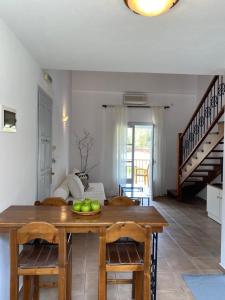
x=84, y=145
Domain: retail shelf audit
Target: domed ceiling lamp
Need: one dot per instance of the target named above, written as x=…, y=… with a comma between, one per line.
x=150, y=8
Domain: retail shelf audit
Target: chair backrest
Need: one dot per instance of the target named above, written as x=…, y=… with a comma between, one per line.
x=52, y=201
x=127, y=229
x=37, y=230
x=122, y=201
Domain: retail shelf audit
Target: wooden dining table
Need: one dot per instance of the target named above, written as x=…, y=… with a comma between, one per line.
x=17, y=216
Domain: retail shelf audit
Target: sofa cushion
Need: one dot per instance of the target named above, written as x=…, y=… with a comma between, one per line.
x=75, y=186
x=62, y=190
x=95, y=191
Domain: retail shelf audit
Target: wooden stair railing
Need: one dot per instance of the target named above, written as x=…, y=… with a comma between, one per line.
x=206, y=116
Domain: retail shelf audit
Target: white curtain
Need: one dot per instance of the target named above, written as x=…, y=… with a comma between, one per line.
x=113, y=164
x=159, y=153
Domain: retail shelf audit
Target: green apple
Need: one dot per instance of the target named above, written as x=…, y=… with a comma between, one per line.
x=85, y=207
x=95, y=205
x=87, y=201
x=77, y=206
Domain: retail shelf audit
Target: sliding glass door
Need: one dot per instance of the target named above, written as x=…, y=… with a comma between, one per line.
x=139, y=154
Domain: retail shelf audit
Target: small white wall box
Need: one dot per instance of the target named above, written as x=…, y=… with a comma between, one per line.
x=7, y=119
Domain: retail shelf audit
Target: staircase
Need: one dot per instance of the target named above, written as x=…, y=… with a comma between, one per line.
x=200, y=146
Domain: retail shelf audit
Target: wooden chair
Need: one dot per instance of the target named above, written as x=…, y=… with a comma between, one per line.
x=141, y=172
x=53, y=201
x=127, y=257
x=36, y=260
x=121, y=201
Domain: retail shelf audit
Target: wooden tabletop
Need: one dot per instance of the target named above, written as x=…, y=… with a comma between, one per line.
x=16, y=216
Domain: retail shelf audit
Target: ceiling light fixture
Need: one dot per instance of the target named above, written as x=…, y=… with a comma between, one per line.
x=150, y=8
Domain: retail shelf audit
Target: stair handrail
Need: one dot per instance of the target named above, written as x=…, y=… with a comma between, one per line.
x=204, y=118
x=215, y=78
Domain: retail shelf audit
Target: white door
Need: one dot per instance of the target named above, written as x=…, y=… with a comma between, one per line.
x=44, y=145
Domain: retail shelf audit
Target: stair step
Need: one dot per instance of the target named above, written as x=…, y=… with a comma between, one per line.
x=192, y=180
x=196, y=175
x=214, y=157
x=203, y=170
x=217, y=150
x=209, y=164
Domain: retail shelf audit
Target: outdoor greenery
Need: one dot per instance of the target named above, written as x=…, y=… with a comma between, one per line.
x=143, y=137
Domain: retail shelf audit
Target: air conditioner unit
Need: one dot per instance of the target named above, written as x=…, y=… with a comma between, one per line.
x=133, y=99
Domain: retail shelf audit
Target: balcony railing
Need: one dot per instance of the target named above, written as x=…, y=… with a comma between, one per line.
x=141, y=171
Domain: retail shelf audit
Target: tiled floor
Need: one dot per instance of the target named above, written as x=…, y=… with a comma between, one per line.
x=191, y=244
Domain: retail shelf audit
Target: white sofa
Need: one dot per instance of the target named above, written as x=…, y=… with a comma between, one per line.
x=72, y=189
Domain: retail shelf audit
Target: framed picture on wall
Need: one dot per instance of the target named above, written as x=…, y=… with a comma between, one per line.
x=7, y=119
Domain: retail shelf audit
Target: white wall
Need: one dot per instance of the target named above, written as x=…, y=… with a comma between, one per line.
x=61, y=93
x=140, y=82
x=20, y=76
x=92, y=89
x=202, y=85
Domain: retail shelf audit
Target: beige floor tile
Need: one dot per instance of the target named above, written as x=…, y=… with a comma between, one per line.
x=170, y=252
x=91, y=284
x=166, y=281
x=78, y=284
x=92, y=266
x=163, y=266
x=174, y=295
x=197, y=251
x=78, y=266
x=77, y=297
x=206, y=263
x=90, y=296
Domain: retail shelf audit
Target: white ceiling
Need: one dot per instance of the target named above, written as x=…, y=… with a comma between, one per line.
x=103, y=35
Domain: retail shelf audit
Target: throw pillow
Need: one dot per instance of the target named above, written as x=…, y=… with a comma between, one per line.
x=84, y=179
x=75, y=186
x=62, y=191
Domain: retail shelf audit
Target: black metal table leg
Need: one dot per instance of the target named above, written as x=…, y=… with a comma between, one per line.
x=154, y=264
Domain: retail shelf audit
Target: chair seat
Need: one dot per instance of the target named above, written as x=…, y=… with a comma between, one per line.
x=39, y=256
x=128, y=253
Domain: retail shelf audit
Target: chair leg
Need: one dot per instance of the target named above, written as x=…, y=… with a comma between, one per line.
x=146, y=286
x=62, y=284
x=36, y=288
x=102, y=285
x=14, y=278
x=26, y=287
x=14, y=287
x=69, y=278
x=138, y=285
x=133, y=285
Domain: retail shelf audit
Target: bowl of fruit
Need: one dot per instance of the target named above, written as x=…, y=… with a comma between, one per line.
x=86, y=207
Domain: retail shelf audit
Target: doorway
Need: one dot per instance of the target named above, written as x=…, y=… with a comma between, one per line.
x=44, y=168
x=139, y=164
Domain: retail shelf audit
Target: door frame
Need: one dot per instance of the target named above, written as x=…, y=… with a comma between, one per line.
x=40, y=90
